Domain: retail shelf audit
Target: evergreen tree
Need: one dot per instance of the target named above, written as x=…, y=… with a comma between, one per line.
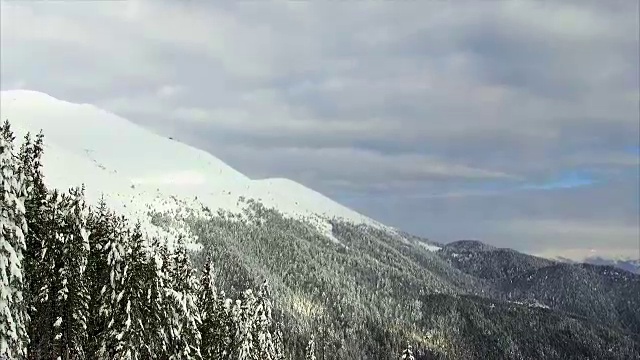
x=46, y=302
x=73, y=289
x=103, y=228
x=132, y=303
x=310, y=351
x=242, y=315
x=120, y=299
x=184, y=317
x=278, y=341
x=157, y=309
x=35, y=204
x=264, y=326
x=13, y=226
x=229, y=317
x=63, y=298
x=213, y=328
x=407, y=354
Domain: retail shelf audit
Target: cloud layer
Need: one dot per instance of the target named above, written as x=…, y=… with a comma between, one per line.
x=466, y=119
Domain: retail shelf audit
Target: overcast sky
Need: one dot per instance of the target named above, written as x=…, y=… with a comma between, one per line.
x=512, y=122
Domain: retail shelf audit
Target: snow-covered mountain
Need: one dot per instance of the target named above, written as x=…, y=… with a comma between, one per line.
x=628, y=264
x=136, y=170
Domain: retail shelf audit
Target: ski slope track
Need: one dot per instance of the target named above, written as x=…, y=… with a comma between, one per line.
x=135, y=170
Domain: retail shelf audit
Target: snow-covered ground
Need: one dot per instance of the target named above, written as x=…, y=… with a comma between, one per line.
x=422, y=243
x=429, y=247
x=135, y=170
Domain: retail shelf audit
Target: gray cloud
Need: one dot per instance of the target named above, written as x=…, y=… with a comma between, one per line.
x=418, y=113
x=564, y=221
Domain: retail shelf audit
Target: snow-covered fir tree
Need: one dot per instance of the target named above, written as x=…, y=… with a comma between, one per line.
x=407, y=354
x=62, y=302
x=229, y=319
x=310, y=351
x=242, y=314
x=47, y=311
x=13, y=226
x=72, y=241
x=35, y=203
x=130, y=300
x=266, y=344
x=156, y=315
x=102, y=227
x=214, y=326
x=119, y=295
x=184, y=317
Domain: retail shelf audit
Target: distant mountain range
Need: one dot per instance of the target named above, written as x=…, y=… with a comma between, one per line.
x=363, y=290
x=624, y=264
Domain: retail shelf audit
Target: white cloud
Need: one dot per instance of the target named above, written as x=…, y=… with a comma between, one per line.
x=580, y=254
x=167, y=91
x=140, y=104
x=582, y=231
x=577, y=239
x=331, y=164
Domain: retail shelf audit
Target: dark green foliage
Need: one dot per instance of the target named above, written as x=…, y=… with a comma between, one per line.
x=215, y=325
x=28, y=168
x=30, y=165
x=105, y=231
x=601, y=293
x=486, y=262
x=604, y=294
x=369, y=294
x=470, y=327
x=62, y=300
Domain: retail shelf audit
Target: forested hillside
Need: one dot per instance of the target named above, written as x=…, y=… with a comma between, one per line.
x=83, y=282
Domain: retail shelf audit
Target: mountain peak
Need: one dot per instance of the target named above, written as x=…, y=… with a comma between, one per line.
x=135, y=168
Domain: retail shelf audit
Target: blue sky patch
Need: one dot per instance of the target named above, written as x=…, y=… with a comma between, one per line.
x=567, y=181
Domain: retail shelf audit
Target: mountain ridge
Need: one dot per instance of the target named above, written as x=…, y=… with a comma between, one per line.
x=627, y=263
x=147, y=169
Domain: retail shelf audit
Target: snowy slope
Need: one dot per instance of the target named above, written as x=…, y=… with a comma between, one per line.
x=135, y=169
